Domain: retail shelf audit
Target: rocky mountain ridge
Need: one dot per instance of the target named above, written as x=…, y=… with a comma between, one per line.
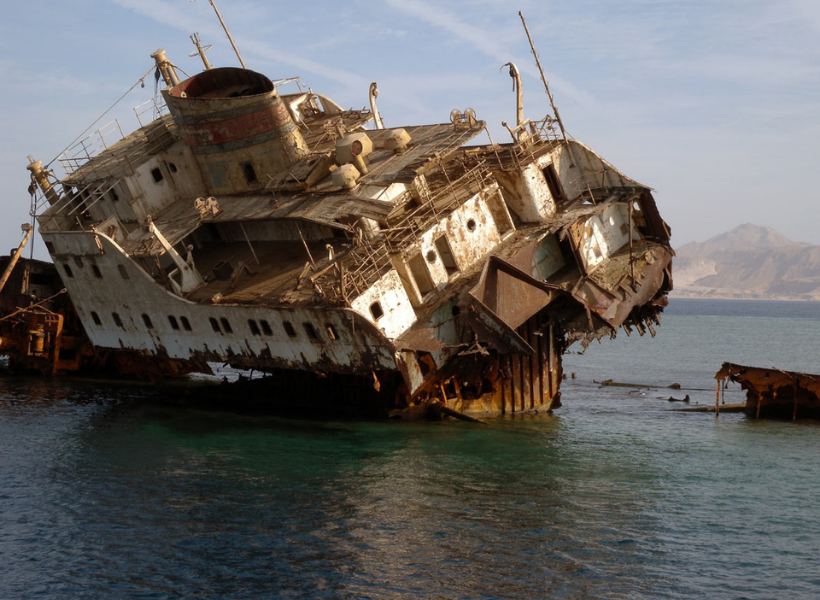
x=749, y=262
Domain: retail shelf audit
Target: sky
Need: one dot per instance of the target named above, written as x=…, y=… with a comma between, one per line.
x=713, y=104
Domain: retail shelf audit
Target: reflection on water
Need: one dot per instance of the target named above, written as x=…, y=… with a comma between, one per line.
x=104, y=494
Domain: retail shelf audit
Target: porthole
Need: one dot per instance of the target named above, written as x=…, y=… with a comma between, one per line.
x=117, y=320
x=173, y=167
x=431, y=256
x=471, y=224
x=67, y=270
x=173, y=321
x=185, y=324
x=96, y=318
x=147, y=320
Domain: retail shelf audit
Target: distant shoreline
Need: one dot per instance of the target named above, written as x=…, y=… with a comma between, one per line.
x=688, y=295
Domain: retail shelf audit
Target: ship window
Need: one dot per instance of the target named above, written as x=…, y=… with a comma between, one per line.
x=147, y=320
x=117, y=320
x=446, y=254
x=431, y=256
x=96, y=270
x=421, y=274
x=225, y=325
x=173, y=321
x=331, y=332
x=173, y=167
x=215, y=325
x=96, y=318
x=123, y=272
x=376, y=311
x=266, y=327
x=455, y=311
x=156, y=174
x=254, y=327
x=67, y=270
x=289, y=329
x=185, y=324
x=311, y=331
x=553, y=183
x=249, y=172
x=471, y=224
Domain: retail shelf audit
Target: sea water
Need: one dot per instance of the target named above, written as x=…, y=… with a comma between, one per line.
x=106, y=494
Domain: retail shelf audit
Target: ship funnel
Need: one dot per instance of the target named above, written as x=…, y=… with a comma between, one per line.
x=237, y=126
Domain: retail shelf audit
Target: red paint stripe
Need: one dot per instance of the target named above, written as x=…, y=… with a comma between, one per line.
x=236, y=129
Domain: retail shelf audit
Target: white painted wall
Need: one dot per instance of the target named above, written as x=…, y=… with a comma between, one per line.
x=390, y=293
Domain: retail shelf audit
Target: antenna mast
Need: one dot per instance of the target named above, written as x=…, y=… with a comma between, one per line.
x=225, y=27
x=543, y=78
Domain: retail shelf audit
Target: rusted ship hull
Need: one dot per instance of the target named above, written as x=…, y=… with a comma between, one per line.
x=773, y=392
x=277, y=233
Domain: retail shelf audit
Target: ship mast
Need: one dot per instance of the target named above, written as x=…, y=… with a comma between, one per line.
x=227, y=33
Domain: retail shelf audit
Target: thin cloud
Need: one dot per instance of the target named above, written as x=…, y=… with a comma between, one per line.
x=484, y=41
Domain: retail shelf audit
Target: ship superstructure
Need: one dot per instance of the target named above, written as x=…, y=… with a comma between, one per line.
x=282, y=233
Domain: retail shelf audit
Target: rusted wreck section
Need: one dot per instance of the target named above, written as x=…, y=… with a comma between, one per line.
x=772, y=392
x=282, y=233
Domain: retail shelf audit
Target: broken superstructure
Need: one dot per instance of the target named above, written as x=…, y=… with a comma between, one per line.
x=280, y=233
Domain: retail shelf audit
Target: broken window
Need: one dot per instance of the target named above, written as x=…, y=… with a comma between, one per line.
x=311, y=331
x=554, y=184
x=376, y=311
x=446, y=254
x=249, y=172
x=420, y=273
x=225, y=325
x=215, y=325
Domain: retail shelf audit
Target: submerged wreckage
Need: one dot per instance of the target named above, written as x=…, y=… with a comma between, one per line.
x=285, y=234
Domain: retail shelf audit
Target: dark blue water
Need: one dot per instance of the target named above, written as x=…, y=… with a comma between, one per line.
x=104, y=494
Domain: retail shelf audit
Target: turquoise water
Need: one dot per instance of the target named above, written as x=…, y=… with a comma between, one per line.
x=104, y=494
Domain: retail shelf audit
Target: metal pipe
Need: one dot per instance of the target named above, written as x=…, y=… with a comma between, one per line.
x=16, y=256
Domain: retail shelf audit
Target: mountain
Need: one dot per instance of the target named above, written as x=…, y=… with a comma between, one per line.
x=748, y=262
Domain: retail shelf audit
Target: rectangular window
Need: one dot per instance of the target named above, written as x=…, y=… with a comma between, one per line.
x=420, y=273
x=554, y=184
x=446, y=254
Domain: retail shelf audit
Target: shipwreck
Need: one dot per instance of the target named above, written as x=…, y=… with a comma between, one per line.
x=282, y=233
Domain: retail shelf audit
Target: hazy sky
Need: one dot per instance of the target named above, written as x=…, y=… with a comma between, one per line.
x=714, y=104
